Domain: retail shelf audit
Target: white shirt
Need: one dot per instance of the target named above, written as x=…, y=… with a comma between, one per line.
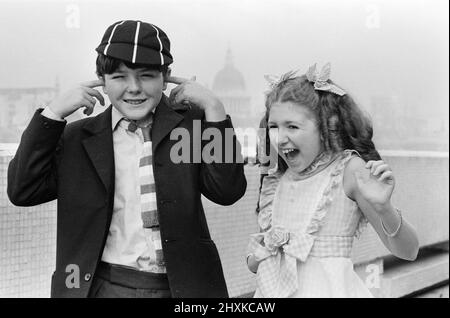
x=126, y=239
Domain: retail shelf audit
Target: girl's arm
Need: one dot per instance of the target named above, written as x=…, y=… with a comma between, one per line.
x=371, y=186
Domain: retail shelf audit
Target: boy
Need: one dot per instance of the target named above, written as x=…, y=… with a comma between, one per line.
x=130, y=220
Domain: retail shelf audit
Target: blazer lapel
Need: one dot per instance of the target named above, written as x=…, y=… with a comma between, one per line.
x=165, y=120
x=99, y=147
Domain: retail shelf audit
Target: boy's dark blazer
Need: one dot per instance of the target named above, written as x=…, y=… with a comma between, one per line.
x=75, y=164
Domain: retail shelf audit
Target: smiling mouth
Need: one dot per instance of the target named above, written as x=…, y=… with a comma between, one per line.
x=134, y=101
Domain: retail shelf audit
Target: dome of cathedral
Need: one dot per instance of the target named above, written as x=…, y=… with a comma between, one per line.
x=228, y=79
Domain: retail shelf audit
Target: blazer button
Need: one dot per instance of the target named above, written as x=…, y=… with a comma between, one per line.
x=87, y=277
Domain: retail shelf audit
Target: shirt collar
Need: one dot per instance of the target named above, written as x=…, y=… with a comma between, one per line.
x=116, y=117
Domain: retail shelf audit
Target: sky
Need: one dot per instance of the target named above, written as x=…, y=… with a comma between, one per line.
x=396, y=48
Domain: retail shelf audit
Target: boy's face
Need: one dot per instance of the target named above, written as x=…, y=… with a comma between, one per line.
x=134, y=92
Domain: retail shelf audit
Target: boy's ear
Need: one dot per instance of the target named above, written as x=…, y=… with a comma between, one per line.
x=168, y=73
x=104, y=86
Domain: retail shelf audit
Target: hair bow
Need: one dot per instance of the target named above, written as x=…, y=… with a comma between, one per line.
x=321, y=80
x=274, y=80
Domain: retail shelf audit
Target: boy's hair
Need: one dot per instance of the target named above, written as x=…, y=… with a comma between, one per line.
x=341, y=123
x=108, y=65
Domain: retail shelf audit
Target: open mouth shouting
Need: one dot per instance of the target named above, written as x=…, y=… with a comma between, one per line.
x=290, y=153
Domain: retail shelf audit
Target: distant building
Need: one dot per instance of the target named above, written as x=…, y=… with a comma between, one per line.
x=398, y=127
x=229, y=85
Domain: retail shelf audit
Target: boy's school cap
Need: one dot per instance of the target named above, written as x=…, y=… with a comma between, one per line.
x=136, y=42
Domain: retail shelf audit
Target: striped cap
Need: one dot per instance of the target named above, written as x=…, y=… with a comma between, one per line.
x=136, y=42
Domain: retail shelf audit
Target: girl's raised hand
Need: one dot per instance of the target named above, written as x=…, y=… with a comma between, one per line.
x=377, y=186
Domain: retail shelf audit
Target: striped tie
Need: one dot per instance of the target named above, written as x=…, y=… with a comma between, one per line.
x=152, y=260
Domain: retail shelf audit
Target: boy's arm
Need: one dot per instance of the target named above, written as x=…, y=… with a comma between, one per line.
x=32, y=171
x=222, y=174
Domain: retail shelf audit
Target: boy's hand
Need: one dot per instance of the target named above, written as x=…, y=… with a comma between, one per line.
x=82, y=96
x=189, y=91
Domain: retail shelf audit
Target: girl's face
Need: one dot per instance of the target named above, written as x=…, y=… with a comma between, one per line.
x=294, y=133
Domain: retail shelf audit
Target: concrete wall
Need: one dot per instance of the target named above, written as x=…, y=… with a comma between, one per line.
x=27, y=235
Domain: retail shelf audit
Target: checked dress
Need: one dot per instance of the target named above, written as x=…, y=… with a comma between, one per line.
x=308, y=225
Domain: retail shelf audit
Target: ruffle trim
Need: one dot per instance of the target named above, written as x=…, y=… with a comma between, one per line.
x=327, y=195
x=266, y=198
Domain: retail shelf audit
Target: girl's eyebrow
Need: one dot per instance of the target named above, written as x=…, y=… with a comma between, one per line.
x=287, y=122
x=291, y=122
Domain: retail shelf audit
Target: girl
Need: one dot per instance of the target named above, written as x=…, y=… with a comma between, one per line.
x=329, y=183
